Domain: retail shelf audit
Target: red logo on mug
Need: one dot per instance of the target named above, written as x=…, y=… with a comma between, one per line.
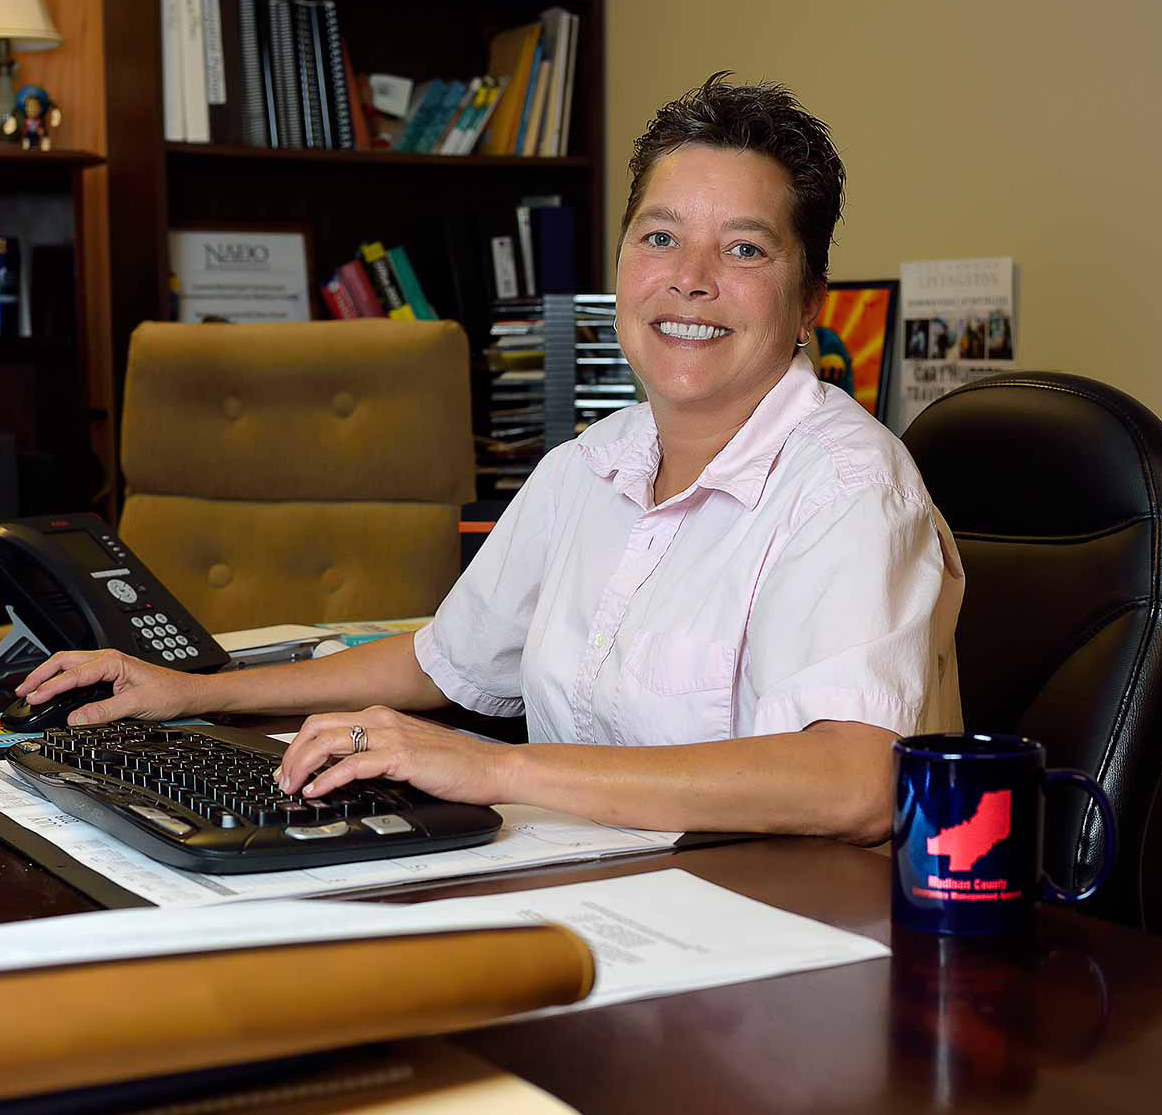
x=972, y=840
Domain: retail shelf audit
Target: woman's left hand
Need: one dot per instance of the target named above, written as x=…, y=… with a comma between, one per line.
x=438, y=760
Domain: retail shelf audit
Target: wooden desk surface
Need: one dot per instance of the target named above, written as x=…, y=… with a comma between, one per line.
x=1070, y=1022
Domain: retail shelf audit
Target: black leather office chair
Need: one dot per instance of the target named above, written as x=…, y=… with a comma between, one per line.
x=1052, y=486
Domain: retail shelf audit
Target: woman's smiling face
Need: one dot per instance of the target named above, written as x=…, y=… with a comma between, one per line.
x=709, y=299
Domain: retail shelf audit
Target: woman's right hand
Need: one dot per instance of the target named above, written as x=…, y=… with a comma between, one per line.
x=139, y=688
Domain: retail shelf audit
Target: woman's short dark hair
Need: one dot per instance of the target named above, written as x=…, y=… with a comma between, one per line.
x=765, y=118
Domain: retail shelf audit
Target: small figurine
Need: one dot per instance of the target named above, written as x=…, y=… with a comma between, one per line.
x=32, y=118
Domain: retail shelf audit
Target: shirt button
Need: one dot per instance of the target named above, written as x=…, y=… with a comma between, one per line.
x=599, y=640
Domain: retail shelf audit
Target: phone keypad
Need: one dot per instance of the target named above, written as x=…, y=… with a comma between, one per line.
x=155, y=641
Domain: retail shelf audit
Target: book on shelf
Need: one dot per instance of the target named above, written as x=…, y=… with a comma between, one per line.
x=439, y=145
x=494, y=91
x=555, y=33
x=570, y=74
x=377, y=283
x=360, y=135
x=555, y=248
x=539, y=61
x=223, y=71
x=338, y=300
x=264, y=73
x=526, y=112
x=537, y=118
x=511, y=54
x=374, y=257
x=428, y=95
x=504, y=266
x=354, y=279
x=288, y=108
x=526, y=238
x=340, y=96
x=252, y=91
x=173, y=86
x=195, y=106
x=277, y=73
x=312, y=78
x=409, y=285
x=524, y=226
x=444, y=118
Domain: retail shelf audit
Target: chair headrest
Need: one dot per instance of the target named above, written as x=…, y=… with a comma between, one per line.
x=1039, y=454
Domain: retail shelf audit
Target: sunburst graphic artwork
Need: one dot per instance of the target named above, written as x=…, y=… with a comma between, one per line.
x=852, y=342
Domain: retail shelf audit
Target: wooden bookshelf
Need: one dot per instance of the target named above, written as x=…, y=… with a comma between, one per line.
x=14, y=156
x=375, y=155
x=55, y=405
x=340, y=197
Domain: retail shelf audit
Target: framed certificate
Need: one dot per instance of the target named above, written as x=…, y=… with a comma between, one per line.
x=240, y=274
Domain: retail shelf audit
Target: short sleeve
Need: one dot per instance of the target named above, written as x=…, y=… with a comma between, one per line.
x=845, y=625
x=472, y=648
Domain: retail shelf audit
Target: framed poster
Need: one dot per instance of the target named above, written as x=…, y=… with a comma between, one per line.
x=851, y=344
x=958, y=326
x=259, y=273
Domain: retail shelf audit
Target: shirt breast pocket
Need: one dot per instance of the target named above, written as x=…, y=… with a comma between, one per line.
x=675, y=689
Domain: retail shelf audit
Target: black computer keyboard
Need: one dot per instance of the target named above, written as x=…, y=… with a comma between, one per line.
x=203, y=798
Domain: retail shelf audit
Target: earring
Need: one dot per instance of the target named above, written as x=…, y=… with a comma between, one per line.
x=615, y=325
x=804, y=344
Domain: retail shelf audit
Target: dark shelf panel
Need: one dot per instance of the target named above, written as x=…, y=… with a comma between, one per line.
x=14, y=156
x=27, y=350
x=362, y=158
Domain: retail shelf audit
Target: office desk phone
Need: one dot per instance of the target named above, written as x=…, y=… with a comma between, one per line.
x=71, y=583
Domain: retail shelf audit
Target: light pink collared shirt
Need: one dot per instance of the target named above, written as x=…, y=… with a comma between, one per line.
x=804, y=576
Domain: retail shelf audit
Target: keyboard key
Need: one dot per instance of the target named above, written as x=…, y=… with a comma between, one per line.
x=317, y=832
x=388, y=824
x=296, y=812
x=162, y=820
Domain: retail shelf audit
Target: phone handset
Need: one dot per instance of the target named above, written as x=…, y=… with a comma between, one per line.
x=71, y=583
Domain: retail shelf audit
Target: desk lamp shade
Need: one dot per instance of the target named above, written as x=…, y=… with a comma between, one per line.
x=28, y=21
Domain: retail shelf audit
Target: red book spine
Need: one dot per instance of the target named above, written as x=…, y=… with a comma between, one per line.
x=338, y=300
x=358, y=120
x=359, y=286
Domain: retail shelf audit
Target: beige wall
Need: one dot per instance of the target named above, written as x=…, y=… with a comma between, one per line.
x=1030, y=128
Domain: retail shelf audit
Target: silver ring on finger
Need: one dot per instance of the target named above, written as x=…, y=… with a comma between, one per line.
x=358, y=740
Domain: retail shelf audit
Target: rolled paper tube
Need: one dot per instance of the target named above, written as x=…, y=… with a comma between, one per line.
x=89, y=1024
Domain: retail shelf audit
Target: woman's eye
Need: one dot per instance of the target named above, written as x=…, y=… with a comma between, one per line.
x=659, y=240
x=746, y=251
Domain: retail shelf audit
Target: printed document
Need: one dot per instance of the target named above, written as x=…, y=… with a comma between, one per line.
x=651, y=934
x=529, y=837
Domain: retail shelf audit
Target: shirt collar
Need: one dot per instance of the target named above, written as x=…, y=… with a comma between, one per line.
x=740, y=468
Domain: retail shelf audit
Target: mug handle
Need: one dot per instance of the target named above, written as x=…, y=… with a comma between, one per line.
x=1049, y=889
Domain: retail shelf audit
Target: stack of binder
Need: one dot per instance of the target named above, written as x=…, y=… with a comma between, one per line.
x=514, y=440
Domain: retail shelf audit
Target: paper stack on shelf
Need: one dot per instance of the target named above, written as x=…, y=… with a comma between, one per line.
x=515, y=438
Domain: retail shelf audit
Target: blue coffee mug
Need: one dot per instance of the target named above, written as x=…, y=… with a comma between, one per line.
x=968, y=829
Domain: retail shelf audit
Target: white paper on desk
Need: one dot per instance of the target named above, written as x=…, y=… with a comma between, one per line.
x=530, y=837
x=653, y=934
x=257, y=637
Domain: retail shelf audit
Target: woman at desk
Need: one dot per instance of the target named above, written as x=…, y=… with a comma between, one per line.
x=716, y=609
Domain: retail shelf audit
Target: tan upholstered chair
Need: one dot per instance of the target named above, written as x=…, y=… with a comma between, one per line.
x=298, y=472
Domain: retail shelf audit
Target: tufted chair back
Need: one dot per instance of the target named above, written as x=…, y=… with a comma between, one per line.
x=1052, y=485
x=298, y=472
